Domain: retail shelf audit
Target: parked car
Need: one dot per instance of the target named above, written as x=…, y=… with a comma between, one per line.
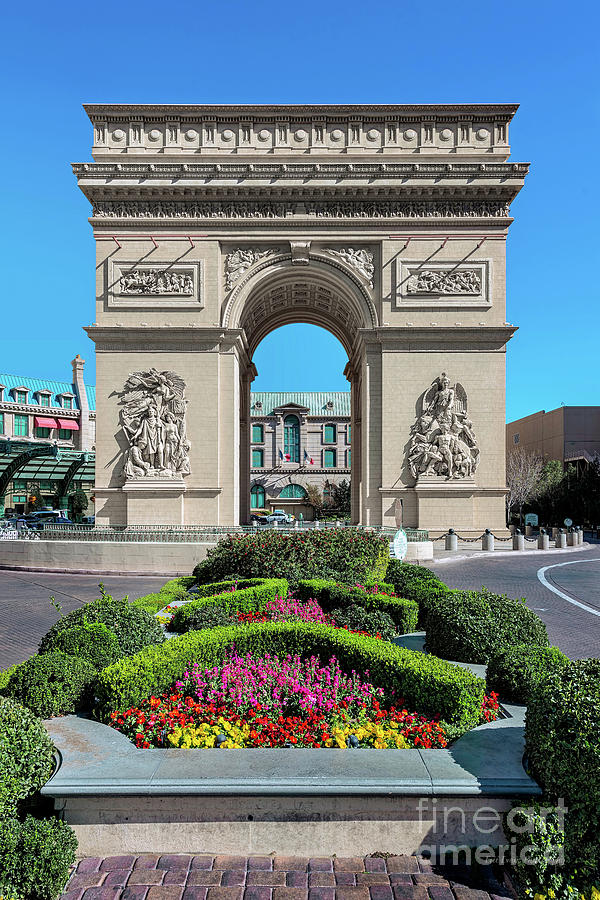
x=281, y=517
x=37, y=520
x=88, y=520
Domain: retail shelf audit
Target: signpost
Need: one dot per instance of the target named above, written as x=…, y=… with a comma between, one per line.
x=531, y=519
x=568, y=523
x=400, y=544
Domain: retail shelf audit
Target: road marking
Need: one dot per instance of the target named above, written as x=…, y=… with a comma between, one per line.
x=542, y=577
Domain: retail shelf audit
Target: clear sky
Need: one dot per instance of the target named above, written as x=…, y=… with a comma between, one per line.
x=543, y=55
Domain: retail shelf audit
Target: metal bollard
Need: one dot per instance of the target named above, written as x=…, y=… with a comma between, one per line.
x=580, y=535
x=572, y=538
x=487, y=540
x=543, y=540
x=518, y=540
x=317, y=523
x=561, y=539
x=275, y=524
x=451, y=540
x=296, y=523
x=555, y=533
x=528, y=530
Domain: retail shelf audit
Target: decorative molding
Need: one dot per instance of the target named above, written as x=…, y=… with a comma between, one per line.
x=151, y=286
x=359, y=259
x=339, y=209
x=300, y=251
x=158, y=282
x=238, y=261
x=442, y=443
x=444, y=281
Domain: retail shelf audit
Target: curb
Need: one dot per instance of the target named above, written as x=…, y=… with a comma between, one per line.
x=104, y=572
x=486, y=554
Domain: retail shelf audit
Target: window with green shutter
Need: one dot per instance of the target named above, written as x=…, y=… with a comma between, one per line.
x=65, y=434
x=257, y=497
x=349, y=434
x=292, y=492
x=291, y=439
x=19, y=485
x=67, y=402
x=1, y=423
x=329, y=461
x=258, y=434
x=18, y=499
x=348, y=458
x=330, y=434
x=257, y=458
x=42, y=432
x=21, y=426
x=20, y=396
x=44, y=399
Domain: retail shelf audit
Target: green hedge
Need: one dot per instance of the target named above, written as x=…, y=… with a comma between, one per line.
x=342, y=554
x=562, y=737
x=93, y=642
x=36, y=857
x=473, y=626
x=515, y=672
x=416, y=583
x=428, y=685
x=175, y=589
x=332, y=596
x=254, y=597
x=134, y=628
x=52, y=684
x=26, y=755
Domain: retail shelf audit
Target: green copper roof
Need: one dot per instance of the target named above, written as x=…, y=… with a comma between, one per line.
x=316, y=402
x=44, y=384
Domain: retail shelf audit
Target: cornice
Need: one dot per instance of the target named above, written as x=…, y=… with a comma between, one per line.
x=318, y=111
x=449, y=338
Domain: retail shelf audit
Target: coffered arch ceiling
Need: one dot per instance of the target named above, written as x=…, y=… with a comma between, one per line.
x=316, y=293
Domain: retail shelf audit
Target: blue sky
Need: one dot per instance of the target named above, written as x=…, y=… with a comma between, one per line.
x=542, y=55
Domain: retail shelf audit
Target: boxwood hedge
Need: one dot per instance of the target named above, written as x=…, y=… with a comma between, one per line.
x=563, y=745
x=332, y=596
x=428, y=685
x=251, y=596
x=52, y=684
x=473, y=626
x=93, y=642
x=26, y=755
x=515, y=672
x=416, y=583
x=36, y=857
x=175, y=589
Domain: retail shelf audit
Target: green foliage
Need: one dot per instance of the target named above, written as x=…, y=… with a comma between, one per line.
x=52, y=684
x=342, y=497
x=78, y=502
x=416, y=583
x=565, y=492
x=5, y=677
x=134, y=627
x=516, y=671
x=429, y=685
x=359, y=618
x=343, y=553
x=332, y=596
x=563, y=743
x=211, y=615
x=175, y=589
x=94, y=642
x=539, y=839
x=26, y=755
x=35, y=857
x=252, y=598
x=473, y=626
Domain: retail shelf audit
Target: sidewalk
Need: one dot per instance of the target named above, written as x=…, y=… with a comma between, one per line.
x=467, y=549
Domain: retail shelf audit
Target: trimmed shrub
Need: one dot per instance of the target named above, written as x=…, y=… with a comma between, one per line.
x=5, y=676
x=358, y=618
x=539, y=841
x=515, y=672
x=52, y=684
x=473, y=626
x=135, y=628
x=212, y=615
x=26, y=755
x=562, y=737
x=428, y=685
x=246, y=599
x=94, y=642
x=35, y=857
x=343, y=554
x=416, y=583
x=175, y=589
x=332, y=596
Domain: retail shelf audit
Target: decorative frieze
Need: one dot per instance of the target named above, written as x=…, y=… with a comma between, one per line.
x=157, y=282
x=239, y=261
x=442, y=441
x=357, y=258
x=338, y=209
x=449, y=281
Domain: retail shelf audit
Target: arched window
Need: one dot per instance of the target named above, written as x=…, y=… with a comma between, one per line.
x=293, y=492
x=257, y=497
x=291, y=438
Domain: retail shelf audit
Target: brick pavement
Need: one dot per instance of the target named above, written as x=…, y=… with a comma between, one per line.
x=186, y=877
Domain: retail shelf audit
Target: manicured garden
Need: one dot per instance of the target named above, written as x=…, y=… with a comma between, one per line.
x=288, y=641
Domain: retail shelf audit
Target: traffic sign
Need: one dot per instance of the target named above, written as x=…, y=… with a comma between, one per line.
x=400, y=544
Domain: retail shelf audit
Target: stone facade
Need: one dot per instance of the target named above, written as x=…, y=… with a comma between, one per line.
x=384, y=224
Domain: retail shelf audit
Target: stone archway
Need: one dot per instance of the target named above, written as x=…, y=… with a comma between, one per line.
x=386, y=225
x=278, y=290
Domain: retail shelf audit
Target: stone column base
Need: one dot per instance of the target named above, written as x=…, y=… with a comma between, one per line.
x=141, y=501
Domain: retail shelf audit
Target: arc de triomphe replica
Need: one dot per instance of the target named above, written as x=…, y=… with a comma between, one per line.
x=386, y=225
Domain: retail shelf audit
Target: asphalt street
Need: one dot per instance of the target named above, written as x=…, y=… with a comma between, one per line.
x=26, y=610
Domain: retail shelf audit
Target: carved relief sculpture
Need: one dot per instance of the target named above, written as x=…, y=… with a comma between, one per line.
x=239, y=261
x=153, y=421
x=358, y=259
x=442, y=441
x=426, y=281
x=156, y=281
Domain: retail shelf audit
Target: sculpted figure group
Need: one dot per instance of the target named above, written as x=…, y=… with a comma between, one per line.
x=153, y=421
x=442, y=440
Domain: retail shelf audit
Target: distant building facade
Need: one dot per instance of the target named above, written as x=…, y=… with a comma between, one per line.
x=570, y=434
x=297, y=439
x=36, y=411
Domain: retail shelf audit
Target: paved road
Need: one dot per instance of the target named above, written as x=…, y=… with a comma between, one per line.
x=26, y=612
x=575, y=630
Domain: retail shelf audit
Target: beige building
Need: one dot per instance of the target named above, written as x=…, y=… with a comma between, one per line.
x=569, y=434
x=385, y=225
x=298, y=440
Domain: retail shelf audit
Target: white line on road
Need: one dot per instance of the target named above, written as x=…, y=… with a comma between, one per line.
x=542, y=577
